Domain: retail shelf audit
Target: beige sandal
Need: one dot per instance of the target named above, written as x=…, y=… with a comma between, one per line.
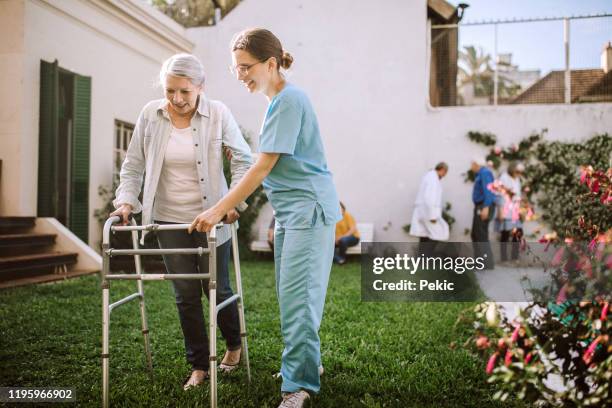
x=194, y=380
x=226, y=367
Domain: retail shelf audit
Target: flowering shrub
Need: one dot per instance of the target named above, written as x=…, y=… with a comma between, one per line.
x=523, y=354
x=571, y=337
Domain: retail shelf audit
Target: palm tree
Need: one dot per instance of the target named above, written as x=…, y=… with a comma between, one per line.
x=475, y=69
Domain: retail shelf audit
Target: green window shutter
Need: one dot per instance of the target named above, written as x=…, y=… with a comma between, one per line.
x=47, y=139
x=79, y=196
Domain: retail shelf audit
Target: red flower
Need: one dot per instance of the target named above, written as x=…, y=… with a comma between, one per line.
x=482, y=342
x=491, y=362
x=588, y=354
x=604, y=311
x=508, y=358
x=528, y=357
x=595, y=186
x=515, y=333
x=562, y=295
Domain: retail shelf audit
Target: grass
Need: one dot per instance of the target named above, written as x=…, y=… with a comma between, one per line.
x=375, y=354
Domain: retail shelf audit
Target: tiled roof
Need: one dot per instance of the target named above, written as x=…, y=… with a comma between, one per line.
x=587, y=85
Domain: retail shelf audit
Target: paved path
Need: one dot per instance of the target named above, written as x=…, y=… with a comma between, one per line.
x=503, y=285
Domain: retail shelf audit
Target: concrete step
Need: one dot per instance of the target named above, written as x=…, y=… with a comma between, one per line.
x=15, y=225
x=23, y=266
x=47, y=278
x=23, y=244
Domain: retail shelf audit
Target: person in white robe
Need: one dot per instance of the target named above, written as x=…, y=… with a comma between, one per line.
x=427, y=222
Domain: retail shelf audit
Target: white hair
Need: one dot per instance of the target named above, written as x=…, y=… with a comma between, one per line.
x=479, y=160
x=184, y=66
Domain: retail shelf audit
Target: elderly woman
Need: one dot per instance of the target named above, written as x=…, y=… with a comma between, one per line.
x=177, y=146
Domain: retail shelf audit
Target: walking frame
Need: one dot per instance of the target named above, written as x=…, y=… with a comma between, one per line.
x=139, y=277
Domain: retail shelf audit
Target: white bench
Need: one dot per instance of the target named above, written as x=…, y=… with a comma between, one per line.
x=366, y=233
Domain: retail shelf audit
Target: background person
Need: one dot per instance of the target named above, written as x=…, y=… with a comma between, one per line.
x=347, y=235
x=508, y=221
x=484, y=209
x=427, y=222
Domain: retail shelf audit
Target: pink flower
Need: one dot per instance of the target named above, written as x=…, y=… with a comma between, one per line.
x=508, y=358
x=514, y=147
x=491, y=362
x=604, y=311
x=515, y=333
x=562, y=295
x=497, y=150
x=588, y=354
x=528, y=357
x=583, y=175
x=558, y=257
x=482, y=342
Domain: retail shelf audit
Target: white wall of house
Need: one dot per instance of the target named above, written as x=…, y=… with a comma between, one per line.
x=120, y=44
x=364, y=66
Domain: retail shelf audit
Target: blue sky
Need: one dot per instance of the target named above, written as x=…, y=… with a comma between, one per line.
x=540, y=45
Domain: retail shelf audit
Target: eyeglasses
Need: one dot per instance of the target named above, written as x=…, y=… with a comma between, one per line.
x=242, y=69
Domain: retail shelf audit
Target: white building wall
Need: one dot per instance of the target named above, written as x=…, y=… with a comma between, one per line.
x=90, y=38
x=364, y=66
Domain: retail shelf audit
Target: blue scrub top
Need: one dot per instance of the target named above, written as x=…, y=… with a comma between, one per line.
x=300, y=181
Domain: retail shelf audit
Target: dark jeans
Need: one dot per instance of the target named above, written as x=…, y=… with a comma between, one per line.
x=514, y=247
x=188, y=294
x=480, y=236
x=342, y=245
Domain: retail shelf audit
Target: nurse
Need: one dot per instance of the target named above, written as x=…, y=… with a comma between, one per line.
x=292, y=167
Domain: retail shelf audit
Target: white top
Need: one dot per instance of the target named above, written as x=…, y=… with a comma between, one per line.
x=428, y=207
x=512, y=184
x=178, y=192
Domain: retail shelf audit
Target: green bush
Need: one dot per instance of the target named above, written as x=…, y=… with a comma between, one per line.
x=552, y=168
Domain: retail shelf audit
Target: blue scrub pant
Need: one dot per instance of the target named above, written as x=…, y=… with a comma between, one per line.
x=303, y=259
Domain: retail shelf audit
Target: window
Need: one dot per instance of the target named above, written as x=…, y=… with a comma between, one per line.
x=123, y=135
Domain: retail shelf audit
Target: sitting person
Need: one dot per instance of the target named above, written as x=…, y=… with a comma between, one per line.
x=347, y=235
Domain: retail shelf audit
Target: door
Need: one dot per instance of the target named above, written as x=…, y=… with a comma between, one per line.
x=64, y=138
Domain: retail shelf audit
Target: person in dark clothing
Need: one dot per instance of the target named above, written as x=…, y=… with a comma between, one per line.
x=484, y=209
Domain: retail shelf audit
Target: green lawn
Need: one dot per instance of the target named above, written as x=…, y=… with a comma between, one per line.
x=375, y=354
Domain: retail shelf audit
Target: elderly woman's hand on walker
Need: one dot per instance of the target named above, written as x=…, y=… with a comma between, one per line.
x=124, y=212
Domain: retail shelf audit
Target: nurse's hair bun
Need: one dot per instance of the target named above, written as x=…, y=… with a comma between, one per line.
x=286, y=60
